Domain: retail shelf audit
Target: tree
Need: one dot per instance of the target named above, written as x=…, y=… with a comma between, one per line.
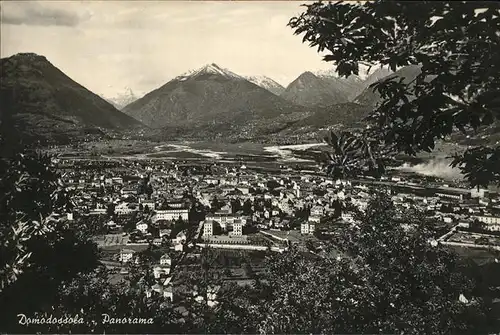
x=236, y=205
x=217, y=229
x=458, y=51
x=91, y=295
x=247, y=207
x=215, y=205
x=370, y=285
x=39, y=249
x=110, y=210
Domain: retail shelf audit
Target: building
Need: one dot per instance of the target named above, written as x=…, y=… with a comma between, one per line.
x=488, y=219
x=126, y=255
x=314, y=218
x=478, y=193
x=450, y=196
x=225, y=219
x=165, y=232
x=208, y=229
x=347, y=217
x=98, y=211
x=317, y=211
x=172, y=213
x=125, y=209
x=149, y=203
x=492, y=223
x=129, y=191
x=159, y=271
x=142, y=227
x=168, y=293
x=237, y=228
x=307, y=228
x=180, y=238
x=165, y=260
x=447, y=219
x=116, y=180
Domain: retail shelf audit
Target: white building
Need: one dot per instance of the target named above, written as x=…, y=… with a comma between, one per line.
x=225, y=219
x=492, y=223
x=208, y=228
x=478, y=193
x=488, y=219
x=126, y=255
x=125, y=208
x=165, y=260
x=172, y=214
x=150, y=203
x=116, y=180
x=347, y=217
x=159, y=271
x=307, y=228
x=450, y=196
x=237, y=228
x=180, y=238
x=317, y=211
x=168, y=293
x=142, y=226
x=314, y=218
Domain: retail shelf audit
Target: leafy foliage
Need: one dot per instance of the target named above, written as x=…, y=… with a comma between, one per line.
x=388, y=278
x=91, y=295
x=457, y=47
x=38, y=248
x=351, y=156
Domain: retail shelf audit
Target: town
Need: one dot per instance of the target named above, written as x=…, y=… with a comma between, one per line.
x=157, y=217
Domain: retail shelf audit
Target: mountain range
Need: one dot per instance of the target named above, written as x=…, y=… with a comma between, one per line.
x=207, y=103
x=214, y=100
x=40, y=102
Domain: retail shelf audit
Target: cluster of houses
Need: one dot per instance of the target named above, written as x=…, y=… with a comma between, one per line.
x=235, y=200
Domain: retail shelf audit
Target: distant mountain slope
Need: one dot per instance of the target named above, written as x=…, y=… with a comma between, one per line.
x=39, y=100
x=346, y=115
x=376, y=75
x=311, y=90
x=267, y=83
x=213, y=99
x=370, y=98
x=350, y=86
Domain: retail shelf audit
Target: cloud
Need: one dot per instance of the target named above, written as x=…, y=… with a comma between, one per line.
x=40, y=14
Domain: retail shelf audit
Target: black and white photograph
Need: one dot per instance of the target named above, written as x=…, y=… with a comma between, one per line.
x=250, y=167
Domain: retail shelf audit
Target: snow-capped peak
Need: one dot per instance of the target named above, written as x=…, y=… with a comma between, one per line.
x=267, y=83
x=262, y=80
x=122, y=99
x=332, y=74
x=209, y=69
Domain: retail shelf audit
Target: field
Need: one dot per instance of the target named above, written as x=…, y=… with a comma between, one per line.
x=480, y=256
x=472, y=238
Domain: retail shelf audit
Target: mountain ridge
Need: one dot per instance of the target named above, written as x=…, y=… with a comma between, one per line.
x=311, y=91
x=268, y=83
x=214, y=98
x=40, y=101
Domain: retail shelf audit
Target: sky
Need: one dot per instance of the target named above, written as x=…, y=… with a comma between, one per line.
x=113, y=45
